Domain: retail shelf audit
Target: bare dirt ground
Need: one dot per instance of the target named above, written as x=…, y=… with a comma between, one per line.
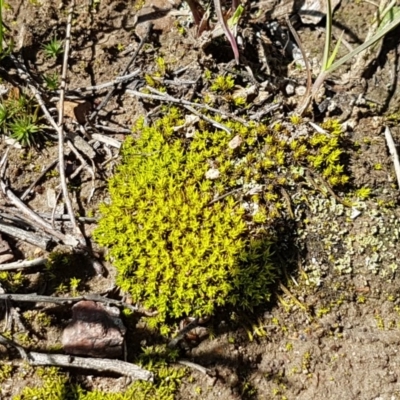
x=331, y=329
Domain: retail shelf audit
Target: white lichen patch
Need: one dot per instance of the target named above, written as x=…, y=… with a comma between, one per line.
x=333, y=239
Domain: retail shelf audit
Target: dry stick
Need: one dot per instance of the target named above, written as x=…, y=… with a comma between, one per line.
x=111, y=91
x=35, y=182
x=7, y=342
x=181, y=334
x=81, y=160
x=101, y=86
x=393, y=152
x=181, y=102
x=34, y=298
x=29, y=237
x=307, y=96
x=97, y=364
x=23, y=264
x=112, y=129
x=33, y=217
x=197, y=367
x=199, y=105
x=67, y=361
x=65, y=217
x=60, y=130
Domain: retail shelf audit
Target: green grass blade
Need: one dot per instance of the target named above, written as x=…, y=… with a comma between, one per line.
x=335, y=51
x=378, y=35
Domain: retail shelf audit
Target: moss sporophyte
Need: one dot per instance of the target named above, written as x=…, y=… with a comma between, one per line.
x=185, y=244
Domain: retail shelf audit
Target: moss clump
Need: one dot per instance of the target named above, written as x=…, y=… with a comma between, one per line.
x=190, y=221
x=176, y=249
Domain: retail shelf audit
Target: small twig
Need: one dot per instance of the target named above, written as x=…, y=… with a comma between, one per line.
x=23, y=264
x=66, y=361
x=7, y=342
x=266, y=110
x=105, y=85
x=294, y=298
x=29, y=237
x=393, y=152
x=66, y=217
x=326, y=185
x=60, y=130
x=125, y=71
x=286, y=196
x=112, y=129
x=107, y=140
x=307, y=96
x=181, y=102
x=34, y=298
x=96, y=364
x=33, y=217
x=35, y=182
x=199, y=105
x=224, y=195
x=197, y=367
x=181, y=334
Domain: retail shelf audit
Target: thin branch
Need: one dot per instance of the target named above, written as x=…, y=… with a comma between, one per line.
x=171, y=99
x=35, y=182
x=34, y=298
x=197, y=367
x=307, y=96
x=66, y=361
x=393, y=152
x=96, y=364
x=29, y=237
x=8, y=342
x=23, y=264
x=35, y=218
x=60, y=130
x=101, y=86
x=181, y=334
x=199, y=105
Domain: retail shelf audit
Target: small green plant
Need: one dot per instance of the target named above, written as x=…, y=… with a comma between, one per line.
x=74, y=284
x=19, y=118
x=51, y=81
x=5, y=372
x=223, y=83
x=363, y=193
x=54, y=48
x=25, y=130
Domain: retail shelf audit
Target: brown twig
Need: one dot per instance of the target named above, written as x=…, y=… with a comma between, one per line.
x=35, y=182
x=60, y=130
x=199, y=105
x=181, y=334
x=307, y=96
